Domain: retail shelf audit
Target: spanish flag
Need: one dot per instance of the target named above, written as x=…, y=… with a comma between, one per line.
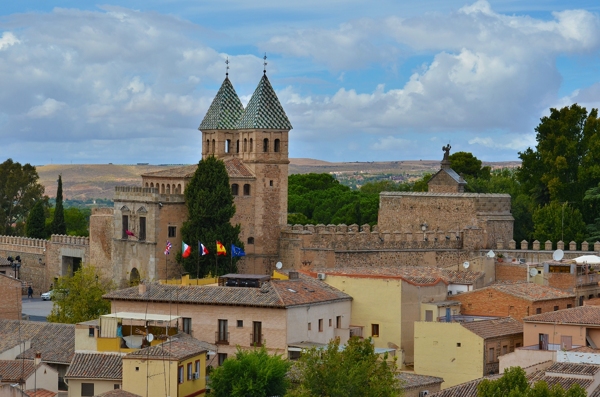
x=221, y=250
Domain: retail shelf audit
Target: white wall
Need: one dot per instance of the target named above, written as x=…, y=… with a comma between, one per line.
x=299, y=317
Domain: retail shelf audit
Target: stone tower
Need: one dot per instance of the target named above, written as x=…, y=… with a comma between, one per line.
x=253, y=142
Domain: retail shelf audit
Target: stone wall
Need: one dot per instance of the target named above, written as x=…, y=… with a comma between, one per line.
x=10, y=298
x=33, y=259
x=101, y=233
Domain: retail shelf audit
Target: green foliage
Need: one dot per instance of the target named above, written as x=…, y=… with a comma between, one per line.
x=210, y=209
x=421, y=184
x=79, y=298
x=466, y=164
x=19, y=192
x=556, y=222
x=514, y=384
x=77, y=221
x=385, y=186
x=252, y=373
x=58, y=221
x=36, y=221
x=353, y=371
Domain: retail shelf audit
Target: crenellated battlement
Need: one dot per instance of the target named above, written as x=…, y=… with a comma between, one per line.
x=23, y=242
x=549, y=246
x=148, y=194
x=69, y=240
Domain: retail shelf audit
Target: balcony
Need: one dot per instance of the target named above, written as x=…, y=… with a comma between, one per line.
x=221, y=338
x=588, y=279
x=257, y=340
x=356, y=331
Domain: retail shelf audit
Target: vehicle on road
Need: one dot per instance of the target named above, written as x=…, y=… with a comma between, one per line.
x=46, y=296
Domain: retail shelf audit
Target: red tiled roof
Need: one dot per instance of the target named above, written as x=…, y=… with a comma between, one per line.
x=581, y=315
x=411, y=380
x=276, y=294
x=118, y=393
x=179, y=347
x=40, y=393
x=14, y=370
x=237, y=169
x=95, y=366
x=527, y=291
x=234, y=165
x=494, y=328
x=573, y=369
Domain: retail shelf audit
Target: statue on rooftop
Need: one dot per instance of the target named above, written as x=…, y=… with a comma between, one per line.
x=446, y=150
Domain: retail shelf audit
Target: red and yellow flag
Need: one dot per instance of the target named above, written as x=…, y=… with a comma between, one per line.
x=221, y=250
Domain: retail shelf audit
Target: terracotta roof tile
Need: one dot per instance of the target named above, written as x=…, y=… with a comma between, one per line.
x=56, y=342
x=95, y=366
x=237, y=169
x=179, y=347
x=234, y=165
x=14, y=370
x=528, y=291
x=186, y=171
x=276, y=293
x=411, y=380
x=40, y=393
x=467, y=389
x=494, y=328
x=573, y=369
x=118, y=393
x=584, y=315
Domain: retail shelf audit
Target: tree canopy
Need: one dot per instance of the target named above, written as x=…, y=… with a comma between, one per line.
x=514, y=384
x=210, y=208
x=252, y=373
x=465, y=164
x=354, y=371
x=19, y=192
x=78, y=298
x=36, y=221
x=58, y=221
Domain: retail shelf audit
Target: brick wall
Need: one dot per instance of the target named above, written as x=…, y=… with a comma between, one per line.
x=511, y=272
x=10, y=298
x=490, y=302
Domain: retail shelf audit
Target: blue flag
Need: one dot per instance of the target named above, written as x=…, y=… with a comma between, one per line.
x=237, y=251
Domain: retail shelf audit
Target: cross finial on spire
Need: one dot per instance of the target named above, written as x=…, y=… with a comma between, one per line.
x=227, y=68
x=265, y=64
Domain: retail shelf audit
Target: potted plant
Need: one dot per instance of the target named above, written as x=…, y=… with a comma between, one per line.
x=500, y=257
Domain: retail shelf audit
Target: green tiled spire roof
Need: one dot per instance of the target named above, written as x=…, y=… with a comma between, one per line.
x=224, y=111
x=264, y=110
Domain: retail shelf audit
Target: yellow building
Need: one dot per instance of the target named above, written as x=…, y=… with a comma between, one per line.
x=176, y=367
x=460, y=352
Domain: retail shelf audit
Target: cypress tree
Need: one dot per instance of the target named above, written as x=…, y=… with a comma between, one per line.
x=36, y=221
x=210, y=208
x=58, y=223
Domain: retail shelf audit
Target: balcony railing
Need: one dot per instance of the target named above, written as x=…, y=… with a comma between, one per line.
x=221, y=338
x=356, y=331
x=256, y=340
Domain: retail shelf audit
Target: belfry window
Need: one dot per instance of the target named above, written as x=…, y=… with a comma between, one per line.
x=246, y=190
x=265, y=145
x=276, y=147
x=235, y=189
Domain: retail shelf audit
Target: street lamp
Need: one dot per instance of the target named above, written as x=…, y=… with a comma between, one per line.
x=15, y=263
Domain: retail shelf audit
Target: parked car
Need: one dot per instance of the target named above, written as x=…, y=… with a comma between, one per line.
x=54, y=293
x=46, y=296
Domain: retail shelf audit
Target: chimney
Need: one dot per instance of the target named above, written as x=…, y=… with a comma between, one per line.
x=142, y=288
x=38, y=359
x=293, y=275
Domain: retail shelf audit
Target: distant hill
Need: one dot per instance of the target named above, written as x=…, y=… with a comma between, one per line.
x=87, y=181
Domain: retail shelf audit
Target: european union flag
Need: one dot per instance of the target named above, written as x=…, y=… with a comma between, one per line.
x=237, y=251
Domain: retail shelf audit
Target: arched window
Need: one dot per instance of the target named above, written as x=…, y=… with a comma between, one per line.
x=228, y=146
x=168, y=189
x=213, y=146
x=246, y=190
x=146, y=184
x=265, y=145
x=179, y=189
x=162, y=189
x=134, y=277
x=207, y=149
x=250, y=240
x=245, y=145
x=251, y=145
x=237, y=146
x=276, y=147
x=235, y=189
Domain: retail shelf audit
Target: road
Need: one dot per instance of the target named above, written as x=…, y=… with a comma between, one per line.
x=36, y=308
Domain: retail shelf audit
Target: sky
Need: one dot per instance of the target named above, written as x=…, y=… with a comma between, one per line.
x=129, y=82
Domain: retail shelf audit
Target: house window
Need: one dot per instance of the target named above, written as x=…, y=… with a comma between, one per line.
x=87, y=389
x=458, y=344
x=124, y=234
x=142, y=232
x=246, y=190
x=375, y=330
x=265, y=145
x=116, y=386
x=569, y=305
x=543, y=341
x=197, y=365
x=338, y=322
x=429, y=315
x=189, y=371
x=222, y=357
x=172, y=231
x=187, y=325
x=271, y=183
x=555, y=308
x=180, y=374
x=320, y=325
x=504, y=349
x=222, y=334
x=91, y=332
x=491, y=355
x=330, y=322
x=240, y=323
x=250, y=240
x=309, y=326
x=538, y=310
x=257, y=333
x=235, y=189
x=276, y=148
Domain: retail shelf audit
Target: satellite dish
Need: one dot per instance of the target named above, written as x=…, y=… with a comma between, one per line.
x=491, y=254
x=278, y=265
x=533, y=272
x=466, y=265
x=150, y=337
x=558, y=255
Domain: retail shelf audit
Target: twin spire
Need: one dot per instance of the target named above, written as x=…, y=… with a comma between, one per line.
x=264, y=111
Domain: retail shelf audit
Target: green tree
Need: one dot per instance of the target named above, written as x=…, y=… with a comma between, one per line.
x=19, y=191
x=465, y=164
x=58, y=221
x=421, y=184
x=252, y=373
x=353, y=371
x=77, y=221
x=514, y=384
x=558, y=222
x=78, y=298
x=36, y=221
x=210, y=208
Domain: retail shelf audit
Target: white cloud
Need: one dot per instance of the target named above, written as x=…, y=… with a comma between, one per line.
x=8, y=39
x=46, y=109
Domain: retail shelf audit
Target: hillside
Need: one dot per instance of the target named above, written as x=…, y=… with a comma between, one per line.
x=87, y=181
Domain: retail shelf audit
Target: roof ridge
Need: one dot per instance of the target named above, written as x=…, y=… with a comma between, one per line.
x=276, y=292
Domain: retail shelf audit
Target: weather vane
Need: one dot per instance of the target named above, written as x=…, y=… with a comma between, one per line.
x=265, y=63
x=227, y=68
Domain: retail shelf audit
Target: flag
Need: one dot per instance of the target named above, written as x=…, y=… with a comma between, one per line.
x=129, y=233
x=237, y=251
x=202, y=249
x=220, y=249
x=168, y=249
x=186, y=250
